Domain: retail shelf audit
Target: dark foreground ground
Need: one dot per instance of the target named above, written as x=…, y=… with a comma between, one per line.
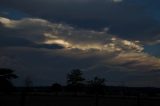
x=47, y=99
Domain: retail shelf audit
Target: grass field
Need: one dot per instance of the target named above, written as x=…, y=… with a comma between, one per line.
x=47, y=99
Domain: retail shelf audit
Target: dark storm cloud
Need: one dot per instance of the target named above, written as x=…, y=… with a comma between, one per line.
x=8, y=41
x=13, y=41
x=44, y=34
x=32, y=50
x=53, y=65
x=131, y=19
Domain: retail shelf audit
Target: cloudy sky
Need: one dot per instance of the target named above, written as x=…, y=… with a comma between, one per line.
x=118, y=40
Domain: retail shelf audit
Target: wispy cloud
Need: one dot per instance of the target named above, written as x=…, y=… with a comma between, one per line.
x=139, y=61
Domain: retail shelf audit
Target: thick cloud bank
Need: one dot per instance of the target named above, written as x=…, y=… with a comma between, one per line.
x=48, y=48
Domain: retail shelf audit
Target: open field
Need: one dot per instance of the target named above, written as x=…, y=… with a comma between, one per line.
x=66, y=100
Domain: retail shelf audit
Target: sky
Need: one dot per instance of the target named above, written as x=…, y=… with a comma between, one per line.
x=118, y=40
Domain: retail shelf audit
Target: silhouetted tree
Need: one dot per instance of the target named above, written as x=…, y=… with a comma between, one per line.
x=75, y=77
x=56, y=88
x=75, y=80
x=6, y=75
x=97, y=85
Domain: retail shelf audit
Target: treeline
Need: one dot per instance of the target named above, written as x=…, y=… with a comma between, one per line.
x=76, y=84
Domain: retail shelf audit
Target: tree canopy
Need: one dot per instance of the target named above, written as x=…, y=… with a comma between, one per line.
x=75, y=77
x=5, y=79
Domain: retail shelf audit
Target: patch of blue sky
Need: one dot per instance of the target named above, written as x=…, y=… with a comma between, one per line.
x=12, y=13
